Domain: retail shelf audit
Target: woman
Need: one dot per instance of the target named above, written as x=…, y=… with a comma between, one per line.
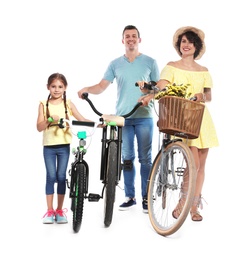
x=189, y=44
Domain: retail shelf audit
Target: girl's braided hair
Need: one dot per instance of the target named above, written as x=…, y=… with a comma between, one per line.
x=51, y=78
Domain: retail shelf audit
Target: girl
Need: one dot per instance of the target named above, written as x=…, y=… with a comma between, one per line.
x=56, y=144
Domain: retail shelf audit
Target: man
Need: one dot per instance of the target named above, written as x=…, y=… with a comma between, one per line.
x=129, y=68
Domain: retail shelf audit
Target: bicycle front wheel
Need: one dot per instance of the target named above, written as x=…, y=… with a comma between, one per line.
x=78, y=199
x=111, y=173
x=171, y=188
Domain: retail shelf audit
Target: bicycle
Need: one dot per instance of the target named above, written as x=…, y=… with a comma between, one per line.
x=110, y=166
x=172, y=179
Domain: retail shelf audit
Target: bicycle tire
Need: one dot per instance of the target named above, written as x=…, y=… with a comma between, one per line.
x=78, y=201
x=110, y=188
x=172, y=169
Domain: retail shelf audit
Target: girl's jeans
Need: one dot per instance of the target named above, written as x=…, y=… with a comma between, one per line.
x=142, y=128
x=56, y=159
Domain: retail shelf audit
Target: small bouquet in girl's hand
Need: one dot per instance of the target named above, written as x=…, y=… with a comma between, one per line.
x=175, y=90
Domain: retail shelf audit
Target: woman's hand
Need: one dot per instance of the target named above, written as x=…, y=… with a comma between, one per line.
x=141, y=86
x=206, y=96
x=200, y=97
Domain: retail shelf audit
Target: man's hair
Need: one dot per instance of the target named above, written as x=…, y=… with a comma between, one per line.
x=131, y=27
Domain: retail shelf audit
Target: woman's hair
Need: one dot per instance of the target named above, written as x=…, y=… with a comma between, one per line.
x=192, y=38
x=50, y=80
x=131, y=27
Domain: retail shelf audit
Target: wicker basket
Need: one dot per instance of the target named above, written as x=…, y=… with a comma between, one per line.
x=180, y=116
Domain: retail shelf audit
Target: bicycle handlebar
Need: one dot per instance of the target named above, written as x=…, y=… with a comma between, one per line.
x=62, y=121
x=83, y=123
x=151, y=85
x=133, y=110
x=85, y=96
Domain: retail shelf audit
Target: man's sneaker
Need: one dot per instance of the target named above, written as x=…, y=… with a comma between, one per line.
x=145, y=205
x=127, y=204
x=60, y=216
x=48, y=218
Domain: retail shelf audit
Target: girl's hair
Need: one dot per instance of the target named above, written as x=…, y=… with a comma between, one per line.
x=192, y=38
x=50, y=80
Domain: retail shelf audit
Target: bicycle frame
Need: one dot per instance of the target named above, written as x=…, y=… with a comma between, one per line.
x=110, y=172
x=113, y=128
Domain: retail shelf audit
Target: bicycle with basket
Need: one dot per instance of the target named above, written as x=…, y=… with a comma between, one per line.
x=173, y=173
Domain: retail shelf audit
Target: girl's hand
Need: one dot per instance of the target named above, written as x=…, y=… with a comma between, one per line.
x=55, y=118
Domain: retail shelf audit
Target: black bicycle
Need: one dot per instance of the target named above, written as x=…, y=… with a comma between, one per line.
x=110, y=166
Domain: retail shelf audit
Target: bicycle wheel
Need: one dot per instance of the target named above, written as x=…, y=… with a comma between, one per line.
x=111, y=173
x=78, y=198
x=173, y=174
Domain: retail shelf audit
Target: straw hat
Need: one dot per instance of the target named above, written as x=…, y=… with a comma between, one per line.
x=199, y=32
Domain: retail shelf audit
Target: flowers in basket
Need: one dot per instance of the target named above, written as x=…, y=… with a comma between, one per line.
x=175, y=90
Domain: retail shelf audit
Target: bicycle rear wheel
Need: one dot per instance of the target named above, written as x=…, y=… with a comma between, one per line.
x=111, y=173
x=78, y=197
x=173, y=175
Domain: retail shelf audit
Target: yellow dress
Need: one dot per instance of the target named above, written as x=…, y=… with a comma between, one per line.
x=198, y=81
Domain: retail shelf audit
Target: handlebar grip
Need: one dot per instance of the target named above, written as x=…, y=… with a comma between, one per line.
x=84, y=95
x=84, y=123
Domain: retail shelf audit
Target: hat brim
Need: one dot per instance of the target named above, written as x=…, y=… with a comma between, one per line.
x=199, y=32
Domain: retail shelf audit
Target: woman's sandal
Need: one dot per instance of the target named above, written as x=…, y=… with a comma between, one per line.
x=177, y=211
x=195, y=214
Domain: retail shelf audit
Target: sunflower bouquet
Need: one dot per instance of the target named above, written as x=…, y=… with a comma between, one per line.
x=175, y=90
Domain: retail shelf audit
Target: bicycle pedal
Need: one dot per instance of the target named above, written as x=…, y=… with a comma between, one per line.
x=94, y=197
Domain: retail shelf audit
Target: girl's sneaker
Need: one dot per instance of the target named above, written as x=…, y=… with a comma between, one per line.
x=48, y=218
x=60, y=216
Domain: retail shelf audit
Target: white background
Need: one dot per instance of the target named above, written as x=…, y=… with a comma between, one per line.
x=79, y=39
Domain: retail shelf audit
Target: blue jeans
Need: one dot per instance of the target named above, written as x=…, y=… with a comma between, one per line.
x=56, y=159
x=142, y=128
